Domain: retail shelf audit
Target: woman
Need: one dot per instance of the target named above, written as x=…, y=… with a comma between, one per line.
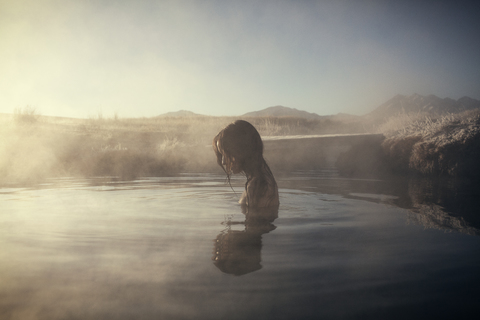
x=239, y=148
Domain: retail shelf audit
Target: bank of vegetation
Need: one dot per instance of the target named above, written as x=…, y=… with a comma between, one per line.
x=444, y=145
x=34, y=147
x=421, y=144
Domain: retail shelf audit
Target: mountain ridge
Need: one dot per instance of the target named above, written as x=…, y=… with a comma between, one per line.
x=415, y=103
x=281, y=111
x=423, y=104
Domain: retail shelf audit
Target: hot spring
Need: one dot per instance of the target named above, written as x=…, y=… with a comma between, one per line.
x=178, y=248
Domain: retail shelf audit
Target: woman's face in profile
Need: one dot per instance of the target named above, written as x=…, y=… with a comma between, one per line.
x=235, y=166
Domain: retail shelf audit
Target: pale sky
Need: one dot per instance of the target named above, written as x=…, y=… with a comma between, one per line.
x=143, y=58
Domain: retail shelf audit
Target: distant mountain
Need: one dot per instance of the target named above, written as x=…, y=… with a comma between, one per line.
x=423, y=104
x=181, y=114
x=399, y=104
x=280, y=111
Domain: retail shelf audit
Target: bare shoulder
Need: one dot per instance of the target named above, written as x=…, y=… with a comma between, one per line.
x=261, y=192
x=243, y=200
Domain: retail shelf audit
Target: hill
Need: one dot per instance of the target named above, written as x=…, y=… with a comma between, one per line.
x=280, y=111
x=181, y=114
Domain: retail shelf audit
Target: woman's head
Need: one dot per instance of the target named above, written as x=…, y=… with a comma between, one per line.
x=238, y=146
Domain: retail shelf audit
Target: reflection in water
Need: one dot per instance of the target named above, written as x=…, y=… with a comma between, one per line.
x=443, y=203
x=448, y=204
x=239, y=252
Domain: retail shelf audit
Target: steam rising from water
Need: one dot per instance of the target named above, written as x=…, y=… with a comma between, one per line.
x=33, y=147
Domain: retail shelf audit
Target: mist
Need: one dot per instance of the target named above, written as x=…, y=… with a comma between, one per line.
x=34, y=147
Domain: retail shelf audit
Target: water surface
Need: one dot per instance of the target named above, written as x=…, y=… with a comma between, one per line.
x=178, y=248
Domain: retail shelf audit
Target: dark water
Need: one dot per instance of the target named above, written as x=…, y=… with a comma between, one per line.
x=178, y=248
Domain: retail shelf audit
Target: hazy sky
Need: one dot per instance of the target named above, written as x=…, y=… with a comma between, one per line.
x=144, y=58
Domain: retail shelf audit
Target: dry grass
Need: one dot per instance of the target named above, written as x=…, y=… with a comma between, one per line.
x=35, y=147
x=125, y=148
x=421, y=124
x=27, y=115
x=448, y=144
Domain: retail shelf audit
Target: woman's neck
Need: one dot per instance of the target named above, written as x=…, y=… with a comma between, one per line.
x=254, y=169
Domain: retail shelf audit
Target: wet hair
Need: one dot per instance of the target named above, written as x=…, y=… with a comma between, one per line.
x=239, y=142
x=240, y=146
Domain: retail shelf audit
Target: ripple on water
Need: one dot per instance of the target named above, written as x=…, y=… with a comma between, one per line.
x=144, y=249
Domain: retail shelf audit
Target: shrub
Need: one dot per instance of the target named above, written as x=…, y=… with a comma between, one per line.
x=27, y=115
x=447, y=145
